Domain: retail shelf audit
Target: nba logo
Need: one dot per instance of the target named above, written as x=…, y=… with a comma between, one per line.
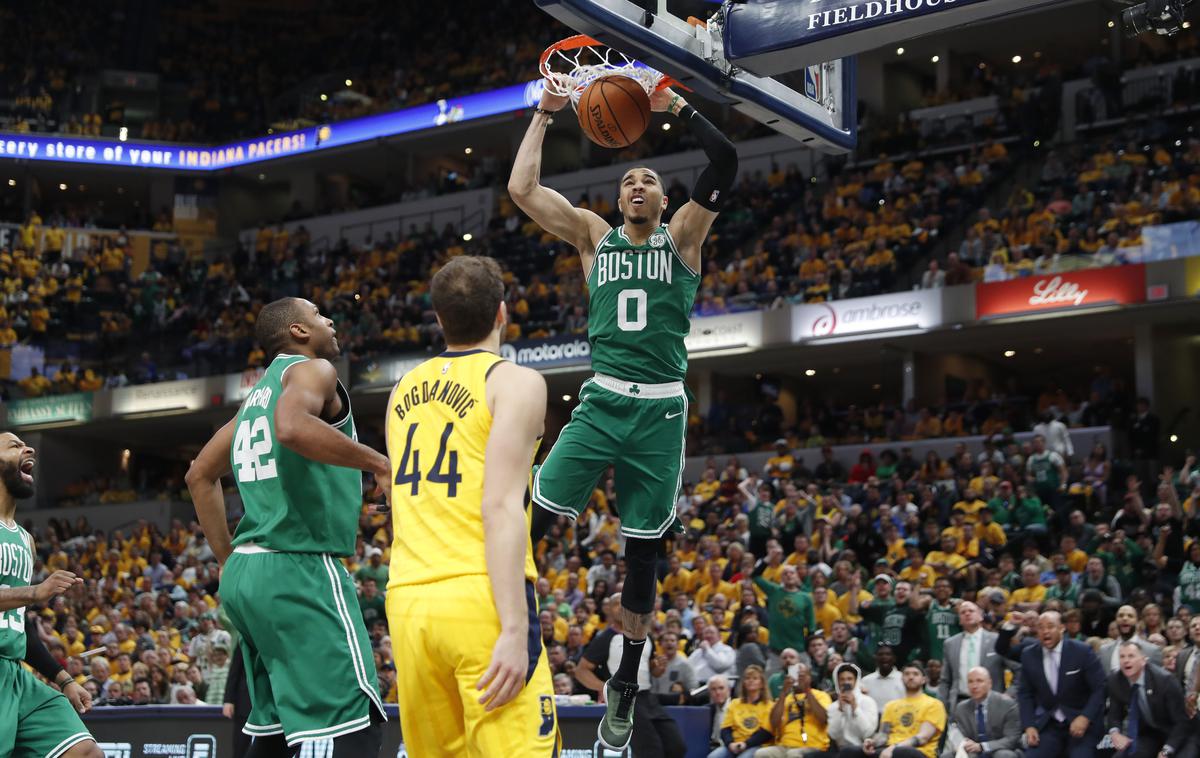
x=812, y=83
x=202, y=746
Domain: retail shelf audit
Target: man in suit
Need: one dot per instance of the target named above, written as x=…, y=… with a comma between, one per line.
x=988, y=723
x=1061, y=694
x=973, y=646
x=1187, y=668
x=1127, y=619
x=1145, y=708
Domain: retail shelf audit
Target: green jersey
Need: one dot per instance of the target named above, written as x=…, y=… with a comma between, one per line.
x=293, y=504
x=1189, y=586
x=942, y=623
x=640, y=303
x=791, y=617
x=16, y=570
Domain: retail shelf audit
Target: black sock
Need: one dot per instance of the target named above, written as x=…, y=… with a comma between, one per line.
x=631, y=660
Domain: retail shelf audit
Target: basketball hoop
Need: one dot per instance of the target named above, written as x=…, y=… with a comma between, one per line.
x=570, y=65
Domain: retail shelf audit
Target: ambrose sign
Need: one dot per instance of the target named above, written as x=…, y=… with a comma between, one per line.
x=1120, y=285
x=867, y=315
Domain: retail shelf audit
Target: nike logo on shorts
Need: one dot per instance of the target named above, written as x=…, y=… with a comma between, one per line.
x=674, y=415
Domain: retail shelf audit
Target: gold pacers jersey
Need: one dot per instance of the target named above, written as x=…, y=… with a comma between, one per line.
x=437, y=433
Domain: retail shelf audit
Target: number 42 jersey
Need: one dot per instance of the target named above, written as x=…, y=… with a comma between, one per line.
x=438, y=426
x=292, y=504
x=640, y=304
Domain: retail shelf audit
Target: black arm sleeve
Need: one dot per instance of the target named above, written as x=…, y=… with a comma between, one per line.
x=727, y=736
x=715, y=181
x=761, y=737
x=36, y=654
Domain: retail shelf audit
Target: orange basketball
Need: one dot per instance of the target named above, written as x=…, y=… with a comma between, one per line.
x=614, y=111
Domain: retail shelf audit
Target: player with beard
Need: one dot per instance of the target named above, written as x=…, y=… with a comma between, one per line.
x=34, y=719
x=642, y=278
x=296, y=458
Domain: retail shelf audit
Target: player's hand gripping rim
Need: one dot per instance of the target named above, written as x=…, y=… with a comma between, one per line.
x=505, y=676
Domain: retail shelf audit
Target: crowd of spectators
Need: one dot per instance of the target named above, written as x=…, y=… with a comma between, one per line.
x=1087, y=209
x=781, y=576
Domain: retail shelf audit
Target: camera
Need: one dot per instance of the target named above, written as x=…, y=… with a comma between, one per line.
x=847, y=687
x=1163, y=17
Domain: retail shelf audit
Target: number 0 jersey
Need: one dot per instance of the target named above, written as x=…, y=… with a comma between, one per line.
x=293, y=504
x=437, y=433
x=16, y=570
x=640, y=306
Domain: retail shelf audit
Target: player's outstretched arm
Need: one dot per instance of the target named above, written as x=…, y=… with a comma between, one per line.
x=308, y=388
x=517, y=397
x=550, y=210
x=690, y=224
x=204, y=483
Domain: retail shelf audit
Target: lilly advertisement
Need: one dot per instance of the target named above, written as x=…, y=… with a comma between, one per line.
x=1118, y=285
x=864, y=317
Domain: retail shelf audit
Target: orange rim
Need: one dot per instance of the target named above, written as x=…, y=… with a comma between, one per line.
x=582, y=40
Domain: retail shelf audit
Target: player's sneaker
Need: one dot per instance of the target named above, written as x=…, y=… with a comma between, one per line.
x=617, y=725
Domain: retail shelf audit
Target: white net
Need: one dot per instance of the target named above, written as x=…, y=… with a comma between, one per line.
x=569, y=69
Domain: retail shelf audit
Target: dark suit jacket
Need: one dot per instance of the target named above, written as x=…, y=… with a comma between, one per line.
x=1165, y=698
x=1081, y=686
x=1181, y=664
x=1003, y=722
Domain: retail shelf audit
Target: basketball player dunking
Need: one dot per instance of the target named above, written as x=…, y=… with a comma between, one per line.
x=642, y=278
x=462, y=430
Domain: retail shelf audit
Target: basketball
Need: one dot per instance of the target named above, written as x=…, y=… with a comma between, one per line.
x=614, y=111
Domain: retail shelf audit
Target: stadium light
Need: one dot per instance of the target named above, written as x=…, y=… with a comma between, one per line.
x=62, y=187
x=935, y=59
x=1016, y=59
x=1009, y=353
x=324, y=97
x=899, y=51
x=1174, y=438
x=566, y=398
x=468, y=237
x=468, y=151
x=12, y=182
x=123, y=133
x=666, y=127
x=349, y=83
x=810, y=372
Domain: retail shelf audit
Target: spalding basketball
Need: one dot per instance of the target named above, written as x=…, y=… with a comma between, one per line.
x=614, y=111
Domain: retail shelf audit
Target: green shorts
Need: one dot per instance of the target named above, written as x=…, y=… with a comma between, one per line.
x=309, y=665
x=639, y=429
x=36, y=721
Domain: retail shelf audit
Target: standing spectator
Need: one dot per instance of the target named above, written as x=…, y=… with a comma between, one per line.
x=886, y=683
x=1143, y=439
x=853, y=716
x=934, y=277
x=1127, y=619
x=1047, y=471
x=1187, y=668
x=675, y=668
x=790, y=614
x=973, y=647
x=1146, y=715
x=988, y=723
x=374, y=568
x=1058, y=439
x=217, y=675
x=604, y=571
x=1061, y=694
x=799, y=718
x=712, y=656
x=372, y=603
x=746, y=725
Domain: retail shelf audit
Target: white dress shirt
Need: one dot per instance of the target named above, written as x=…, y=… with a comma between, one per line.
x=884, y=689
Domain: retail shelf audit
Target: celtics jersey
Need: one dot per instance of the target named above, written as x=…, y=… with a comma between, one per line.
x=16, y=570
x=639, y=308
x=1189, y=586
x=437, y=432
x=943, y=624
x=293, y=504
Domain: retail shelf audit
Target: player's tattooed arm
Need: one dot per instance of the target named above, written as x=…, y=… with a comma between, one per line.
x=204, y=483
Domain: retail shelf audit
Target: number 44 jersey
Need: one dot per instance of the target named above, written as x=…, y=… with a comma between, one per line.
x=438, y=426
x=292, y=504
x=640, y=305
